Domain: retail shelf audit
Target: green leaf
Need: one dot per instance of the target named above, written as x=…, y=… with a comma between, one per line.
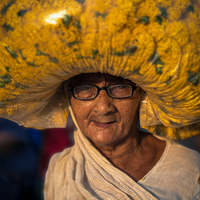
x=137, y=71
x=130, y=50
x=193, y=77
x=158, y=70
x=21, y=54
x=144, y=20
x=53, y=60
x=2, y=84
x=19, y=85
x=80, y=1
x=164, y=110
x=95, y=53
x=37, y=45
x=7, y=69
x=77, y=24
x=5, y=78
x=159, y=19
x=118, y=53
x=190, y=8
x=173, y=123
x=190, y=75
x=72, y=43
x=21, y=13
x=32, y=64
x=155, y=59
x=12, y=53
x=159, y=62
x=101, y=15
x=79, y=56
x=5, y=9
x=66, y=20
x=169, y=80
x=8, y=27
x=40, y=53
x=163, y=12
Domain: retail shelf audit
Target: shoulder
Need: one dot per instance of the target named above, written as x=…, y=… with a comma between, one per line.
x=184, y=166
x=58, y=162
x=56, y=173
x=179, y=154
x=177, y=173
x=184, y=156
x=60, y=158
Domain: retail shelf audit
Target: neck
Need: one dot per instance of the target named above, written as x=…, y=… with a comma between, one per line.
x=136, y=156
x=124, y=149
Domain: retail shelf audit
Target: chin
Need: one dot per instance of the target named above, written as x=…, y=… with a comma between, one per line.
x=103, y=140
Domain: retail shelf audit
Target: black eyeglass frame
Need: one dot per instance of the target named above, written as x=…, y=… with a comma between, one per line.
x=134, y=87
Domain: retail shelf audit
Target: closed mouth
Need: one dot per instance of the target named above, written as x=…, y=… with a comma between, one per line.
x=103, y=124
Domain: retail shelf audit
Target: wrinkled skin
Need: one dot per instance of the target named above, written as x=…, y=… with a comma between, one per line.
x=104, y=120
x=111, y=125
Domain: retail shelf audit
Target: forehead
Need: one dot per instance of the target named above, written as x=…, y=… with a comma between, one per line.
x=95, y=78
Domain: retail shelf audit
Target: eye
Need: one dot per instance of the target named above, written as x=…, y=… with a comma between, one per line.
x=82, y=88
x=120, y=90
x=116, y=88
x=85, y=91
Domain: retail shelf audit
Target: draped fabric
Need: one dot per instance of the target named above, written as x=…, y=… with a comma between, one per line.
x=113, y=183
x=81, y=172
x=89, y=175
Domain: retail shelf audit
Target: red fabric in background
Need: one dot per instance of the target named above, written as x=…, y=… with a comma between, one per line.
x=54, y=140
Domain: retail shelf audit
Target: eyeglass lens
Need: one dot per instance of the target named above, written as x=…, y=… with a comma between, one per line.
x=85, y=92
x=115, y=91
x=120, y=90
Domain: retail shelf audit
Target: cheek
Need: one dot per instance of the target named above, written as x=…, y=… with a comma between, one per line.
x=81, y=111
x=128, y=108
x=128, y=113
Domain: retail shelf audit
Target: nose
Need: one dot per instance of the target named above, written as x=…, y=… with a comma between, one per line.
x=104, y=104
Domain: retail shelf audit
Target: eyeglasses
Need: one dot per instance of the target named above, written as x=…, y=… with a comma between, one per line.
x=116, y=91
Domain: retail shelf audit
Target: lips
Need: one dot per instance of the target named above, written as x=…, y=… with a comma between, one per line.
x=104, y=124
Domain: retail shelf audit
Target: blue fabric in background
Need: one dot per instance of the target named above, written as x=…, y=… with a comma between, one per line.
x=19, y=167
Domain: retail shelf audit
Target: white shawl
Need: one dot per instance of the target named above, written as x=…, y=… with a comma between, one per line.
x=81, y=172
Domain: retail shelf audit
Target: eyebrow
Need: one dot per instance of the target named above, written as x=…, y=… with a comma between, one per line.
x=94, y=83
x=81, y=82
x=84, y=82
x=109, y=80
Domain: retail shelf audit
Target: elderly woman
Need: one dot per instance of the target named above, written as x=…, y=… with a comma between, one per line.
x=112, y=158
x=94, y=59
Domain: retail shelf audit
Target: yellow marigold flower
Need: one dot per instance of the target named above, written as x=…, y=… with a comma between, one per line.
x=179, y=31
x=154, y=43
x=174, y=13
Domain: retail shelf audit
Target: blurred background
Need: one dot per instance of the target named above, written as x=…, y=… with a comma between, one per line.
x=24, y=158
x=25, y=154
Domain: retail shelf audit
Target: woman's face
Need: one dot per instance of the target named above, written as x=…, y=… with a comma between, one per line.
x=104, y=120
